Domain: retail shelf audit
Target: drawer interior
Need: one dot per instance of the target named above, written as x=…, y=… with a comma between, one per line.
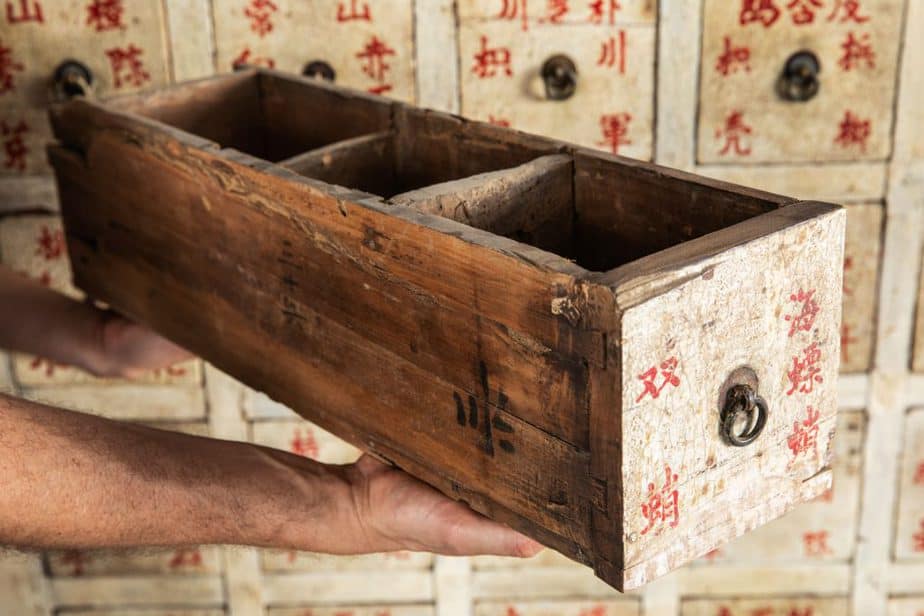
x=243, y=112
x=594, y=209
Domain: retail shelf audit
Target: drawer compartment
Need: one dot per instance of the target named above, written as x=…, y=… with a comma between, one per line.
x=573, y=343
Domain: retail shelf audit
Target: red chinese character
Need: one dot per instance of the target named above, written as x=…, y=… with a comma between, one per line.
x=806, y=371
x=186, y=557
x=304, y=445
x=49, y=365
x=848, y=265
x=77, y=559
x=853, y=131
x=615, y=127
x=848, y=10
x=603, y=9
x=511, y=9
x=512, y=611
x=808, y=310
x=50, y=244
x=105, y=15
x=375, y=66
x=260, y=13
x=806, y=611
x=734, y=129
x=14, y=145
x=488, y=60
x=7, y=66
x=27, y=12
x=846, y=341
x=919, y=474
x=827, y=496
x=857, y=50
x=804, y=437
x=713, y=555
x=555, y=11
x=498, y=121
x=803, y=11
x=724, y=611
x=668, y=367
x=761, y=11
x=732, y=58
x=245, y=59
x=662, y=506
x=596, y=610
x=127, y=66
x=918, y=538
x=354, y=13
x=613, y=52
x=170, y=371
x=816, y=543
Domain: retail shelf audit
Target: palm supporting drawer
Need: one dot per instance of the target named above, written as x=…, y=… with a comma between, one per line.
x=630, y=364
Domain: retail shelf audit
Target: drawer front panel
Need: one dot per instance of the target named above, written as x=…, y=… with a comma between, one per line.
x=843, y=112
x=374, y=49
x=909, y=534
x=766, y=314
x=612, y=105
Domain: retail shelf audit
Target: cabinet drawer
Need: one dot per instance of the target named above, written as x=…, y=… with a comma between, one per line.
x=797, y=81
x=581, y=72
x=582, y=346
x=365, y=44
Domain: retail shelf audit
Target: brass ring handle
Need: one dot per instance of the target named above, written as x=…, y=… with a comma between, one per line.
x=559, y=74
x=743, y=401
x=799, y=82
x=319, y=68
x=72, y=78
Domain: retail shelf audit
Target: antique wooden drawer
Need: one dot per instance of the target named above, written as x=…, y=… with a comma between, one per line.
x=573, y=343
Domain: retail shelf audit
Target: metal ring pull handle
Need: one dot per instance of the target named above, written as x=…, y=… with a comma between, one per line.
x=321, y=69
x=559, y=74
x=743, y=401
x=799, y=80
x=71, y=79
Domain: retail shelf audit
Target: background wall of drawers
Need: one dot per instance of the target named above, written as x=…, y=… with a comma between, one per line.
x=686, y=83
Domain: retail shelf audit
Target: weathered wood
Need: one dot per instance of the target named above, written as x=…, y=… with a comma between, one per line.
x=532, y=203
x=615, y=223
x=492, y=367
x=365, y=162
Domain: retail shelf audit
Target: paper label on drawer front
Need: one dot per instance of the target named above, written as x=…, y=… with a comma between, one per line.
x=612, y=105
x=771, y=306
x=374, y=48
x=846, y=115
x=909, y=533
x=823, y=530
x=805, y=606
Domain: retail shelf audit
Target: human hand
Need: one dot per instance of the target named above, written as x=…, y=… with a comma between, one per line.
x=126, y=349
x=397, y=512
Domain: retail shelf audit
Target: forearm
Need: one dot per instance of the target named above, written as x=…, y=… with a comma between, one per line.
x=39, y=321
x=72, y=480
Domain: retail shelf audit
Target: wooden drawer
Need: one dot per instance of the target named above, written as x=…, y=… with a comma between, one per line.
x=759, y=102
x=546, y=332
x=909, y=534
x=506, y=45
